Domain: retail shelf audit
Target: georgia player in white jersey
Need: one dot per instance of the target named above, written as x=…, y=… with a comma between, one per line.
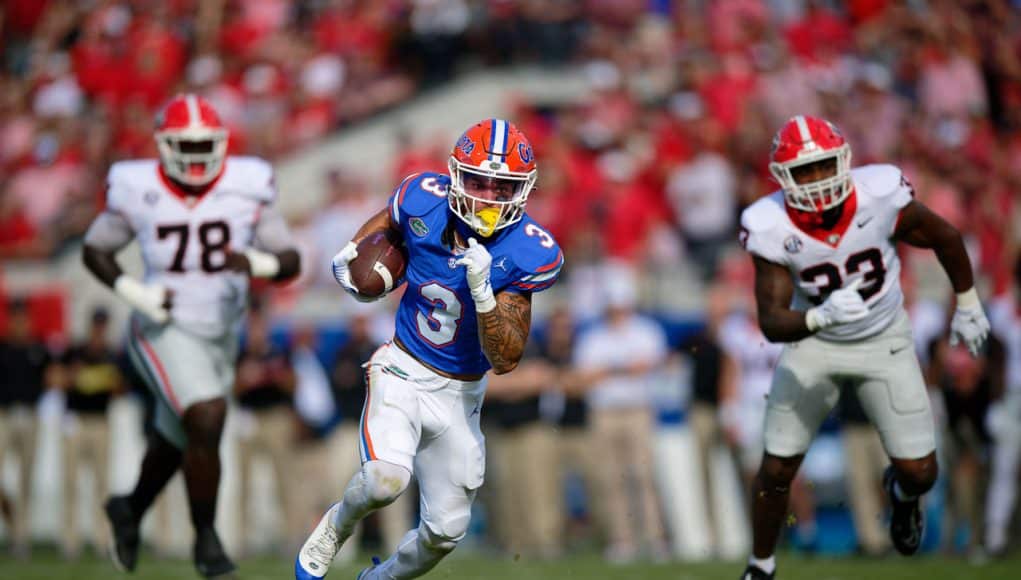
x=205, y=224
x=827, y=284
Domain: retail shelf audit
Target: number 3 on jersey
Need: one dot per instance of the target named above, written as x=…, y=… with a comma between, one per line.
x=827, y=278
x=440, y=326
x=545, y=240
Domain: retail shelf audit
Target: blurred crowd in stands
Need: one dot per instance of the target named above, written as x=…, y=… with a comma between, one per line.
x=672, y=140
x=645, y=176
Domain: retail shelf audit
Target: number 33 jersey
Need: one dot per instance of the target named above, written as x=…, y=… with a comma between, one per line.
x=184, y=239
x=436, y=318
x=859, y=247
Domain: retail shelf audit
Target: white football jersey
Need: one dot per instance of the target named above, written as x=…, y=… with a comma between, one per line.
x=864, y=250
x=184, y=239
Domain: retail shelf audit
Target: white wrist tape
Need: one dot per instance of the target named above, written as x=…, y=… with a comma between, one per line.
x=146, y=299
x=133, y=291
x=968, y=299
x=263, y=264
x=813, y=320
x=484, y=299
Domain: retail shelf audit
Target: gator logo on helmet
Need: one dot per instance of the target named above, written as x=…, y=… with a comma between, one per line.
x=525, y=152
x=465, y=144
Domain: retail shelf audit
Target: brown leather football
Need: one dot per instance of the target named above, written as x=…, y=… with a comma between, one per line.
x=380, y=264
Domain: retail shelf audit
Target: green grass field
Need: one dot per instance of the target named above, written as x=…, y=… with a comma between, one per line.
x=46, y=566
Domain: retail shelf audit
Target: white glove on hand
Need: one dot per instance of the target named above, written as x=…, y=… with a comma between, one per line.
x=262, y=264
x=343, y=275
x=969, y=324
x=841, y=306
x=149, y=299
x=478, y=261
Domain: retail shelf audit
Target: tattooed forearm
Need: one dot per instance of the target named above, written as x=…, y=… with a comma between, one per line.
x=503, y=330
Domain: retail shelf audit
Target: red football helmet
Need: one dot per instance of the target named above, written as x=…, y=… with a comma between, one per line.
x=493, y=158
x=191, y=139
x=806, y=140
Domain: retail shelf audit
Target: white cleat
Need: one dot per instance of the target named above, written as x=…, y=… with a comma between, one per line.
x=316, y=554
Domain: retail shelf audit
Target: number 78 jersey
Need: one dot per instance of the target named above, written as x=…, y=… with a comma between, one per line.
x=859, y=247
x=184, y=240
x=436, y=318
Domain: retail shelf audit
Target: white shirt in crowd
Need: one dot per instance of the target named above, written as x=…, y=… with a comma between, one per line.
x=703, y=193
x=635, y=339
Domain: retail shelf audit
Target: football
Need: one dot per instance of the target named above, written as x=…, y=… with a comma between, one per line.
x=380, y=264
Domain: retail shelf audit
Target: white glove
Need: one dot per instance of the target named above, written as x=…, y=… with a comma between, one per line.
x=969, y=324
x=841, y=306
x=343, y=275
x=478, y=261
x=262, y=264
x=149, y=299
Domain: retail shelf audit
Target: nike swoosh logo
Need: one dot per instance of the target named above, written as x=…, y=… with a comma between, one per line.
x=864, y=222
x=896, y=350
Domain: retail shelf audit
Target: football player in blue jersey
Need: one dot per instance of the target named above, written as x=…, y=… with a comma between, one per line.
x=474, y=260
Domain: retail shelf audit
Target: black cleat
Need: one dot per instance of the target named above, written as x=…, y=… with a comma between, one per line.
x=756, y=573
x=210, y=559
x=124, y=524
x=907, y=523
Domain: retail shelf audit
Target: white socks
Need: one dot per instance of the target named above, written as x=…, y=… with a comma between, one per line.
x=767, y=565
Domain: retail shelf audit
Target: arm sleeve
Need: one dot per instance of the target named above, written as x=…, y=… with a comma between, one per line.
x=757, y=241
x=109, y=232
x=541, y=277
x=417, y=205
x=272, y=233
x=904, y=193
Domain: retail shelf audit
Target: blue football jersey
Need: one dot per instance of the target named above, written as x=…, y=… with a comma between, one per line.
x=436, y=317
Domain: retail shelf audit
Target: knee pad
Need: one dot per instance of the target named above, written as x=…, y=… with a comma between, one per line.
x=443, y=526
x=384, y=482
x=439, y=541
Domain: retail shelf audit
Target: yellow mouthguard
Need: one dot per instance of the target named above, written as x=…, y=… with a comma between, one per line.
x=485, y=221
